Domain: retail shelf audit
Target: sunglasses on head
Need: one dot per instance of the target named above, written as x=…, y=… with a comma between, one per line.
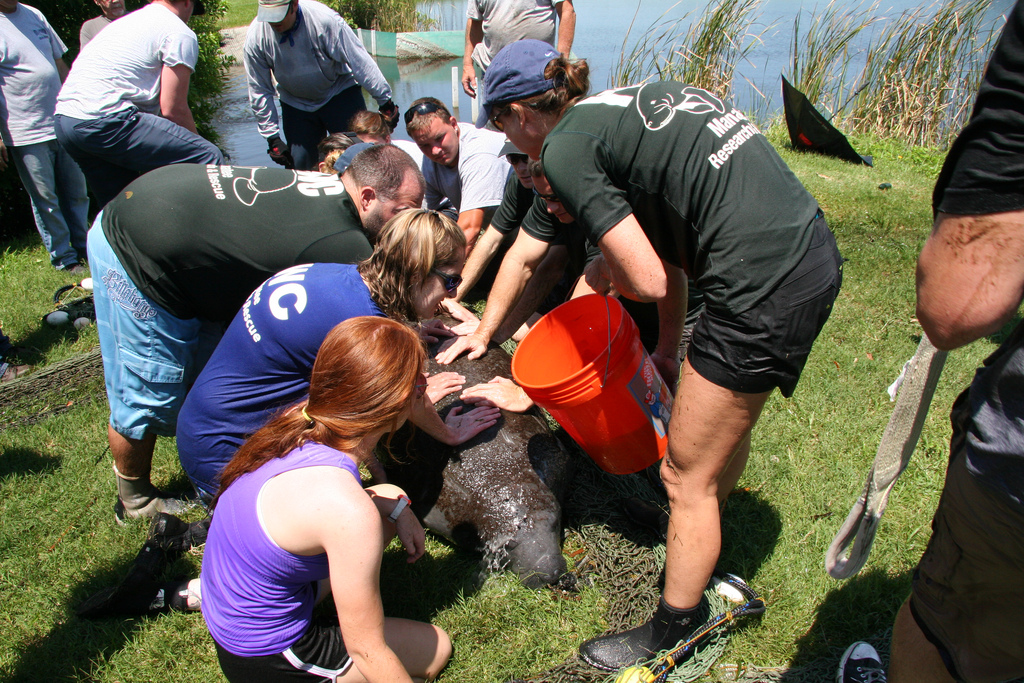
x=451, y=282
x=420, y=109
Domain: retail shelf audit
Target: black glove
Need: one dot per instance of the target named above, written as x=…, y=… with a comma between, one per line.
x=390, y=111
x=279, y=153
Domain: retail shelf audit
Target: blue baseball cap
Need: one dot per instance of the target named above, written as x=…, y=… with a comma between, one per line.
x=345, y=160
x=515, y=73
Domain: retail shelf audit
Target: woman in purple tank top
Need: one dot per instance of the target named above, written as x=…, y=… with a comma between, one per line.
x=293, y=523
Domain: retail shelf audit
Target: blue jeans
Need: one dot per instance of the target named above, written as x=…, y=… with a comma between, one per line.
x=305, y=129
x=60, y=201
x=150, y=357
x=114, y=150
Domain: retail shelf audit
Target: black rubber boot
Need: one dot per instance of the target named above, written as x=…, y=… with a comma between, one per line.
x=666, y=629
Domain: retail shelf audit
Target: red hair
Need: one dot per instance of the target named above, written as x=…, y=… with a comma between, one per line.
x=362, y=381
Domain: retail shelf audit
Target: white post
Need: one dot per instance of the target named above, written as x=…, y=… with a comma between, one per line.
x=373, y=42
x=474, y=105
x=455, y=88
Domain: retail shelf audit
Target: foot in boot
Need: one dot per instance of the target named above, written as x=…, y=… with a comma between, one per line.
x=666, y=629
x=149, y=507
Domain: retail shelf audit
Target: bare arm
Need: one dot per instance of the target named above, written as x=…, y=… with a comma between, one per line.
x=629, y=263
x=970, y=276
x=62, y=69
x=566, y=26
x=354, y=559
x=486, y=246
x=516, y=269
x=474, y=36
x=471, y=222
x=174, y=96
x=544, y=279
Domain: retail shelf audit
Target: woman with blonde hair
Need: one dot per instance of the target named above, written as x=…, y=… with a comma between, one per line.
x=293, y=524
x=263, y=361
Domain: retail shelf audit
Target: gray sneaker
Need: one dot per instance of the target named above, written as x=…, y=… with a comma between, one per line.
x=860, y=664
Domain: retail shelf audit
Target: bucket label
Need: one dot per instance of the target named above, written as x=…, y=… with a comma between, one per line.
x=652, y=396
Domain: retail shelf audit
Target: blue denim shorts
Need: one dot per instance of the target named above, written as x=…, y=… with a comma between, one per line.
x=150, y=357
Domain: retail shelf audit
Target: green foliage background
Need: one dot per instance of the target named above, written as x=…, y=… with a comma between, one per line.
x=66, y=17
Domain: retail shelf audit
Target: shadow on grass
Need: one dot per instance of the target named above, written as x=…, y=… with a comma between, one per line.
x=75, y=646
x=429, y=586
x=862, y=608
x=17, y=461
x=750, y=531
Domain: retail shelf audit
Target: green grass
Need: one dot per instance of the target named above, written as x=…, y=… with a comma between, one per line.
x=240, y=13
x=58, y=541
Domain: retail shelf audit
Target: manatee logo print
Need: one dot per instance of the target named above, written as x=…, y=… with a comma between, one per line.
x=659, y=102
x=247, y=190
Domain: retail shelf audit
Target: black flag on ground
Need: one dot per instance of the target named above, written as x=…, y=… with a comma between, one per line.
x=810, y=131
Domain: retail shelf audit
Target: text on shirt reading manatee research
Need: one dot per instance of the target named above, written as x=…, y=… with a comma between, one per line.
x=722, y=125
x=284, y=283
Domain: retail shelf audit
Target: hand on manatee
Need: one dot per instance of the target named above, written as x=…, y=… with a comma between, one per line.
x=500, y=392
x=474, y=343
x=458, y=311
x=468, y=327
x=442, y=384
x=431, y=330
x=463, y=426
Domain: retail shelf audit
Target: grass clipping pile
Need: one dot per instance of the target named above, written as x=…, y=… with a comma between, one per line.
x=53, y=390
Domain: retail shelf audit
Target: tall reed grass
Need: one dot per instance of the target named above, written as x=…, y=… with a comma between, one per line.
x=705, y=54
x=910, y=78
x=379, y=15
x=922, y=72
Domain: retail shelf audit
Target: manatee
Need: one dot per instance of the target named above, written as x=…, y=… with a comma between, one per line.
x=499, y=493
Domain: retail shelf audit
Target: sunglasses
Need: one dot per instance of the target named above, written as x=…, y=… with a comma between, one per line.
x=517, y=159
x=420, y=109
x=451, y=282
x=497, y=112
x=548, y=197
x=420, y=387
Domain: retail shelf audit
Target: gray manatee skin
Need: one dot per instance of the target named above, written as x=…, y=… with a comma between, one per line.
x=499, y=493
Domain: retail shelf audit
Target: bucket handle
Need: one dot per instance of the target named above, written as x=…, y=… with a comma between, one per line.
x=608, y=349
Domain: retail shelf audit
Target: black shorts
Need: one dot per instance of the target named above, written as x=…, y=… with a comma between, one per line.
x=318, y=655
x=766, y=347
x=968, y=587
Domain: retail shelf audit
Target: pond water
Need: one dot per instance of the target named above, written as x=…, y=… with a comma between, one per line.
x=602, y=26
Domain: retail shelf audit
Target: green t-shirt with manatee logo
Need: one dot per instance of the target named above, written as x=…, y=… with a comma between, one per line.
x=197, y=239
x=708, y=189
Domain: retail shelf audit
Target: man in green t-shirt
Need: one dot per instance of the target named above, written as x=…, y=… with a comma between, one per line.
x=177, y=252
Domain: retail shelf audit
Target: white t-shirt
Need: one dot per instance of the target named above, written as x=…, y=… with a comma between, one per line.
x=479, y=180
x=29, y=82
x=506, y=21
x=121, y=66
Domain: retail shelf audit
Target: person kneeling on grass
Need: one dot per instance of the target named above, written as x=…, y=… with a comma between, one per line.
x=293, y=524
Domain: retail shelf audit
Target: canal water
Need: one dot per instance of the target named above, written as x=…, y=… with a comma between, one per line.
x=605, y=29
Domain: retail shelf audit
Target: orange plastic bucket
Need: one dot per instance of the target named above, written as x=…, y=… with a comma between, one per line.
x=584, y=364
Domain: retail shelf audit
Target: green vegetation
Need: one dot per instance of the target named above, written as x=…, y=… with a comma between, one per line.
x=239, y=13
x=917, y=83
x=810, y=456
